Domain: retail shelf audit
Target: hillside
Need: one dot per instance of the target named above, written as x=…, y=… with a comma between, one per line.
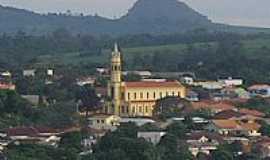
x=146, y=16
x=250, y=47
x=208, y=60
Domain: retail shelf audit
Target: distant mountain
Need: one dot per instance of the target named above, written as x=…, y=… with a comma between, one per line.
x=146, y=16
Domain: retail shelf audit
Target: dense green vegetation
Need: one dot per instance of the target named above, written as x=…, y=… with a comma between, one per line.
x=123, y=144
x=68, y=149
x=208, y=55
x=16, y=111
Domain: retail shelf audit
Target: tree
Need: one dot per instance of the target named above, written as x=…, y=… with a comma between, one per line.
x=222, y=155
x=226, y=151
x=172, y=148
x=123, y=141
x=265, y=129
x=170, y=107
x=149, y=127
x=177, y=129
x=130, y=77
x=71, y=140
x=31, y=152
x=89, y=98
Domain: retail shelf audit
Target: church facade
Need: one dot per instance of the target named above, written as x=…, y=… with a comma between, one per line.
x=136, y=99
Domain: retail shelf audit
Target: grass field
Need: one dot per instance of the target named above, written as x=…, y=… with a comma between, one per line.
x=250, y=47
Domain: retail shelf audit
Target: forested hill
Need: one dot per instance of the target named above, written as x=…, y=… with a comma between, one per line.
x=146, y=16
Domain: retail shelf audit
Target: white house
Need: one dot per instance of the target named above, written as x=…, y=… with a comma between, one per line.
x=211, y=85
x=262, y=90
x=86, y=80
x=187, y=80
x=104, y=122
x=6, y=74
x=29, y=72
x=231, y=82
x=203, y=142
x=50, y=72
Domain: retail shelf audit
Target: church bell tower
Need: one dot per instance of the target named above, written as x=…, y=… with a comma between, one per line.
x=115, y=84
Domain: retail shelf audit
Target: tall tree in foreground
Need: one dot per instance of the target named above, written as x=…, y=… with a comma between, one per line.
x=90, y=100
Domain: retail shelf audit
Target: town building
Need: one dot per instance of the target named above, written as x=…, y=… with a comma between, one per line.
x=203, y=142
x=50, y=72
x=213, y=106
x=104, y=122
x=261, y=90
x=29, y=72
x=210, y=85
x=143, y=74
x=7, y=86
x=231, y=81
x=36, y=135
x=90, y=80
x=235, y=128
x=5, y=74
x=187, y=80
x=136, y=99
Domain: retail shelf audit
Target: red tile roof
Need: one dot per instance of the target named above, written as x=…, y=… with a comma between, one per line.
x=212, y=105
x=151, y=84
x=226, y=124
x=228, y=114
x=46, y=130
x=22, y=131
x=29, y=131
x=250, y=126
x=200, y=134
x=233, y=124
x=252, y=112
x=258, y=86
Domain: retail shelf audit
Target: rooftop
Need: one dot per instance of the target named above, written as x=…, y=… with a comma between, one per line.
x=152, y=84
x=228, y=124
x=233, y=124
x=250, y=126
x=259, y=86
x=213, y=105
x=228, y=114
x=252, y=112
x=100, y=115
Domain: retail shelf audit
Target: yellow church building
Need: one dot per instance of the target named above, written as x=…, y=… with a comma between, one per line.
x=136, y=99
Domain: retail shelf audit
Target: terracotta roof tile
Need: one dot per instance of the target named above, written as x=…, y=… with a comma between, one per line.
x=227, y=114
x=227, y=124
x=252, y=112
x=212, y=105
x=233, y=124
x=200, y=134
x=22, y=131
x=151, y=84
x=250, y=126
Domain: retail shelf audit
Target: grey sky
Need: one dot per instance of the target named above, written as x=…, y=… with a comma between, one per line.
x=243, y=12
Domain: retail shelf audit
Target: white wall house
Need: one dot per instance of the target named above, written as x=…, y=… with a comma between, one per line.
x=231, y=82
